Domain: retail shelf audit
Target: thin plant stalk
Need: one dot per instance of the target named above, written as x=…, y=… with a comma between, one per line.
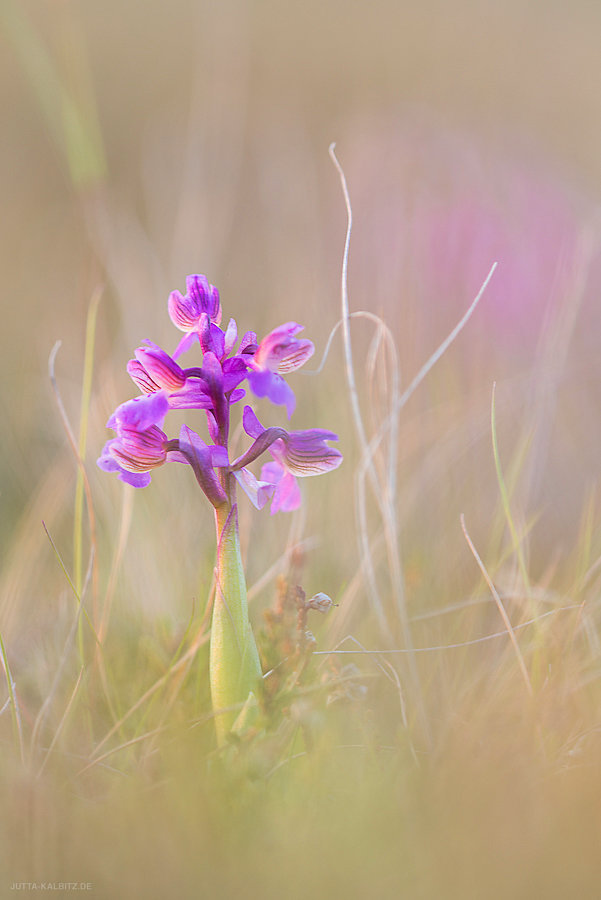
x=517, y=543
x=500, y=607
x=86, y=488
x=86, y=392
x=61, y=724
x=371, y=579
x=75, y=627
x=14, y=709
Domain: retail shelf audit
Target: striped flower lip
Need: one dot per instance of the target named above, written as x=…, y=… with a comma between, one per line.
x=141, y=445
x=280, y=351
x=139, y=451
x=304, y=453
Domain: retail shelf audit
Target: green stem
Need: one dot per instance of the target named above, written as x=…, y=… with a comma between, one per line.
x=234, y=660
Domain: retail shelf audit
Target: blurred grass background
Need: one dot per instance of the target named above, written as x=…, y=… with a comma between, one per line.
x=143, y=142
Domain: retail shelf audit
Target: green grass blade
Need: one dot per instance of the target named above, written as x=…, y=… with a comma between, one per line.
x=69, y=109
x=515, y=538
x=86, y=392
x=14, y=709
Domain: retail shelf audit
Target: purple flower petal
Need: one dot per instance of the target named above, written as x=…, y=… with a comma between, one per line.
x=141, y=377
x=218, y=456
x=211, y=336
x=234, y=371
x=296, y=357
x=135, y=479
x=236, y=395
x=280, y=351
x=213, y=377
x=296, y=454
x=214, y=304
x=201, y=297
x=108, y=463
x=141, y=412
x=251, y=424
x=191, y=441
x=140, y=444
x=262, y=443
x=193, y=396
x=185, y=344
x=258, y=492
x=213, y=427
x=305, y=453
x=248, y=344
x=231, y=335
x=287, y=495
x=272, y=472
x=200, y=457
x=217, y=341
x=160, y=367
x=212, y=372
x=265, y=383
x=183, y=311
x=198, y=290
x=139, y=451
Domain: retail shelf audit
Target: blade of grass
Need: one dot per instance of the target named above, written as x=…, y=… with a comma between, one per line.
x=14, y=707
x=584, y=567
x=436, y=648
x=70, y=582
x=497, y=546
x=383, y=497
x=86, y=392
x=61, y=723
x=500, y=607
x=39, y=721
x=517, y=543
x=130, y=743
x=104, y=616
x=176, y=683
x=70, y=116
x=201, y=638
x=372, y=582
x=85, y=482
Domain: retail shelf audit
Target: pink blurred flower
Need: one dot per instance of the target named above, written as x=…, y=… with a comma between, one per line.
x=435, y=208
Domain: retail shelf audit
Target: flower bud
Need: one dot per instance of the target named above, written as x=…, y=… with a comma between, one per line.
x=320, y=602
